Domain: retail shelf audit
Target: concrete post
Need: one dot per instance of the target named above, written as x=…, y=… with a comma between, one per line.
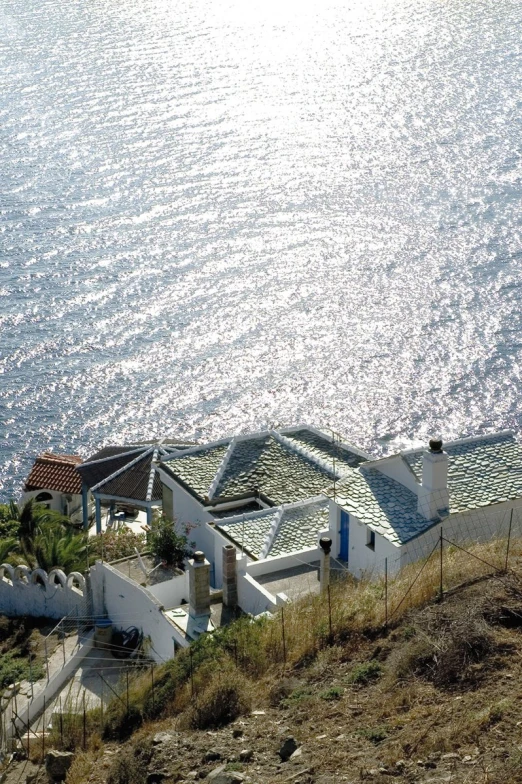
x=229, y=576
x=98, y=516
x=85, y=506
x=324, y=574
x=199, y=585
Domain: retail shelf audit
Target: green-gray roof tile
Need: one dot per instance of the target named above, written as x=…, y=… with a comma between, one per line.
x=281, y=475
x=297, y=530
x=480, y=472
x=197, y=469
x=323, y=448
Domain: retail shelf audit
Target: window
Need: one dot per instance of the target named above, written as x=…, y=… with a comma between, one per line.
x=370, y=539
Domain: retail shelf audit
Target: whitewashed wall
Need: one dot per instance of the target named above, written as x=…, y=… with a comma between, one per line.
x=171, y=593
x=187, y=510
x=128, y=604
x=41, y=595
x=287, y=561
x=362, y=560
x=253, y=598
x=475, y=526
x=73, y=508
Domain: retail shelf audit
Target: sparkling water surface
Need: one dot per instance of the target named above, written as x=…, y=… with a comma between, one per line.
x=217, y=216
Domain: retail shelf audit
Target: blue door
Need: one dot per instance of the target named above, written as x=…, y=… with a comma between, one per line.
x=345, y=535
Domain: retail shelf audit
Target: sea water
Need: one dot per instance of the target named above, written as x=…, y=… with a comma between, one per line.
x=218, y=216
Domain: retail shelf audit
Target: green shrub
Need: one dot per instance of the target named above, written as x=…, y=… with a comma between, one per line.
x=365, y=672
x=225, y=699
x=374, y=734
x=167, y=544
x=14, y=668
x=120, y=723
x=128, y=768
x=331, y=694
x=299, y=695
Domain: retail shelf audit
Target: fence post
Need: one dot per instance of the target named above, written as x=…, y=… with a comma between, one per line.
x=152, y=679
x=101, y=709
x=441, y=590
x=28, y=729
x=127, y=674
x=386, y=593
x=329, y=613
x=84, y=722
x=61, y=722
x=46, y=658
x=63, y=643
x=509, y=540
x=31, y=673
x=43, y=731
x=283, y=633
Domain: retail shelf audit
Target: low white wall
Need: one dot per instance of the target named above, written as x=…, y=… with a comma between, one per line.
x=288, y=561
x=469, y=527
x=171, y=593
x=253, y=598
x=34, y=592
x=35, y=706
x=128, y=604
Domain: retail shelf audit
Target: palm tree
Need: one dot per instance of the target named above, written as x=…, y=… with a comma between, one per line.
x=54, y=547
x=7, y=548
x=24, y=520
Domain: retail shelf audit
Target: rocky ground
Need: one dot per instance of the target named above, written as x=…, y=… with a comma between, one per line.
x=438, y=699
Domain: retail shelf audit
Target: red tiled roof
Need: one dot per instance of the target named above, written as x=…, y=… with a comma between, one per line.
x=55, y=472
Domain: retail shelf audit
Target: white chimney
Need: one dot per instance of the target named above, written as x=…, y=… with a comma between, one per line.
x=199, y=585
x=433, y=496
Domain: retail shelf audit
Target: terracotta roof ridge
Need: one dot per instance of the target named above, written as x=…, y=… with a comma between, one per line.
x=54, y=457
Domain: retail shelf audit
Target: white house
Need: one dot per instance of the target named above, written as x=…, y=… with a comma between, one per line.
x=261, y=492
x=54, y=481
x=394, y=508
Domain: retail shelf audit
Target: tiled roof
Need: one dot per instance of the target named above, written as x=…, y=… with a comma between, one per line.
x=281, y=475
x=481, y=472
x=127, y=471
x=385, y=505
x=132, y=482
x=55, y=472
x=97, y=469
x=278, y=470
x=324, y=448
x=297, y=529
x=197, y=469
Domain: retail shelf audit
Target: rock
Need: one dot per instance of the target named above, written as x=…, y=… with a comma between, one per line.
x=57, y=763
x=237, y=733
x=296, y=756
x=223, y=776
x=246, y=755
x=212, y=756
x=288, y=748
x=161, y=737
x=451, y=756
x=156, y=777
